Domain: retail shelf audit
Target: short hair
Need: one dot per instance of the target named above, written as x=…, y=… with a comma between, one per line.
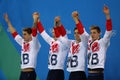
x=96, y=28
x=28, y=30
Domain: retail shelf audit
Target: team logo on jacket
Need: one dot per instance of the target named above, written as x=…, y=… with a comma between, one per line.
x=75, y=48
x=95, y=47
x=26, y=47
x=54, y=48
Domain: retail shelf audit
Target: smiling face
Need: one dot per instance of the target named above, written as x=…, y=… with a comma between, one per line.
x=95, y=32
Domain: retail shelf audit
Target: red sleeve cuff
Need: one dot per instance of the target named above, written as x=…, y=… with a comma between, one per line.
x=109, y=25
x=34, y=32
x=14, y=34
x=40, y=27
x=58, y=29
x=57, y=33
x=80, y=27
x=63, y=31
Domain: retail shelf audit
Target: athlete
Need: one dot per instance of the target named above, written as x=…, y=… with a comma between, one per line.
x=77, y=53
x=57, y=52
x=97, y=46
x=30, y=47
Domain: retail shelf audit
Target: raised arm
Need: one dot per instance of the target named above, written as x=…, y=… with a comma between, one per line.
x=83, y=34
x=60, y=31
x=108, y=32
x=108, y=19
x=34, y=30
x=59, y=27
x=35, y=20
x=17, y=37
x=79, y=25
x=11, y=28
x=43, y=33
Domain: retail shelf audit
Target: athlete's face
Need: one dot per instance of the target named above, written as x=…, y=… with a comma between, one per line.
x=76, y=35
x=95, y=34
x=27, y=37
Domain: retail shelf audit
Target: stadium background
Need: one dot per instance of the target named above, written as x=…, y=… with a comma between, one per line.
x=20, y=14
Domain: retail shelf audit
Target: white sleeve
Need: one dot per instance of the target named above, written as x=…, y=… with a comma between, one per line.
x=84, y=37
x=46, y=37
x=36, y=42
x=65, y=40
x=19, y=39
x=107, y=37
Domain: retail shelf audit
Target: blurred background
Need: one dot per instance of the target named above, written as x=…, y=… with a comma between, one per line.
x=20, y=13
